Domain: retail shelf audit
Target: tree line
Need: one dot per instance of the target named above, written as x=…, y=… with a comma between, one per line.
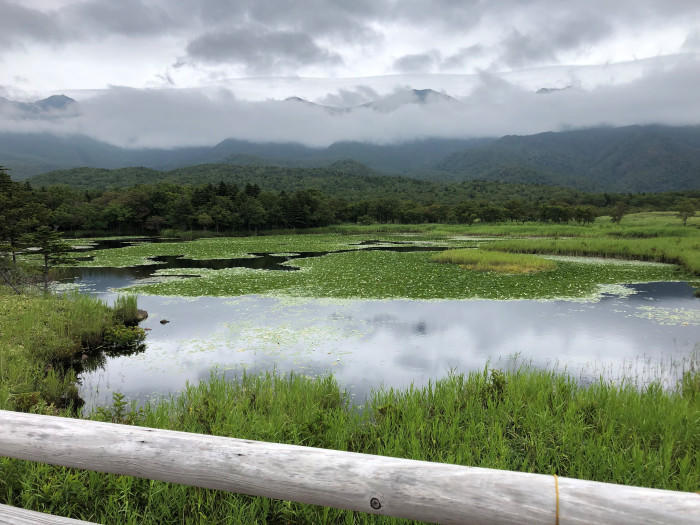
x=226, y=207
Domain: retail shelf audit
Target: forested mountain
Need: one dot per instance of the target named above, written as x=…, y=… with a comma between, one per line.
x=345, y=180
x=629, y=159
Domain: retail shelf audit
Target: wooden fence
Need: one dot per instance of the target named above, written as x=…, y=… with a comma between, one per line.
x=397, y=487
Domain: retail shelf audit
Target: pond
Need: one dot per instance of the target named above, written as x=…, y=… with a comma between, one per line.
x=641, y=331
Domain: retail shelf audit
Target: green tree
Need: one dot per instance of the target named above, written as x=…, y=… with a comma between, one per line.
x=204, y=220
x=686, y=209
x=618, y=212
x=49, y=244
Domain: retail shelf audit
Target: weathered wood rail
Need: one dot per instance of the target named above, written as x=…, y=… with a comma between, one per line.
x=381, y=485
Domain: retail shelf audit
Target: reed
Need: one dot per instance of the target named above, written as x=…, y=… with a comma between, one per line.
x=489, y=261
x=526, y=419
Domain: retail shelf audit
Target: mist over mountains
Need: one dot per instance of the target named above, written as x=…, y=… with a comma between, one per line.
x=638, y=158
x=629, y=159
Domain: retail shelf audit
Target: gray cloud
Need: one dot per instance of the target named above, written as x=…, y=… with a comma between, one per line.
x=178, y=117
x=125, y=17
x=524, y=49
x=421, y=62
x=18, y=21
x=325, y=32
x=462, y=57
x=261, y=51
x=692, y=41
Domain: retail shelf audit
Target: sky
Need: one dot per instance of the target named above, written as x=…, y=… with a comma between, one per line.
x=192, y=72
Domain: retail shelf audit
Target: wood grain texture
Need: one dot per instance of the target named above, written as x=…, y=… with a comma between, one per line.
x=376, y=484
x=14, y=516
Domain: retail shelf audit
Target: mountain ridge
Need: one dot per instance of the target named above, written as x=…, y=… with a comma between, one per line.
x=624, y=159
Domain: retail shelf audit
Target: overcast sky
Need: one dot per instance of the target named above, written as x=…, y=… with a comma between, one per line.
x=216, y=65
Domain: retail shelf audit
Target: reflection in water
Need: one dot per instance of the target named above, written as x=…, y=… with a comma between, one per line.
x=371, y=343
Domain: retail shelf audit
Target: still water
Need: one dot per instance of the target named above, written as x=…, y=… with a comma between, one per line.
x=368, y=344
x=652, y=331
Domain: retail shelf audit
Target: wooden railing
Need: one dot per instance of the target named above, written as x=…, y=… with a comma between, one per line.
x=397, y=487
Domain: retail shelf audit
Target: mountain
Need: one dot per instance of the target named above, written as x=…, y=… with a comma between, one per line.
x=30, y=154
x=628, y=159
x=343, y=180
x=333, y=110
x=45, y=108
x=398, y=99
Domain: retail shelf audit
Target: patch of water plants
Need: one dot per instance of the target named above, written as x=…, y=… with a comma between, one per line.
x=525, y=419
x=380, y=274
x=224, y=248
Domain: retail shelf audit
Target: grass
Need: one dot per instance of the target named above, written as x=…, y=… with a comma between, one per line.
x=40, y=338
x=526, y=420
x=677, y=250
x=486, y=261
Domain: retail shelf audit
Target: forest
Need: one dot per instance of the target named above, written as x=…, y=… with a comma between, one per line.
x=245, y=199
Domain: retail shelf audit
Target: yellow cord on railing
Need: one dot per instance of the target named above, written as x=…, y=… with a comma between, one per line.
x=556, y=491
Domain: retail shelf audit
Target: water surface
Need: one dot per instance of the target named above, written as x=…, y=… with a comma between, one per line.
x=368, y=344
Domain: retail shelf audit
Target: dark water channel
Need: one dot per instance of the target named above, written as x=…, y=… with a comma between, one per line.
x=653, y=331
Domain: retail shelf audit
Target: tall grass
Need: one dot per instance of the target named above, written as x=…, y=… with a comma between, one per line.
x=486, y=261
x=526, y=420
x=125, y=309
x=684, y=251
x=40, y=336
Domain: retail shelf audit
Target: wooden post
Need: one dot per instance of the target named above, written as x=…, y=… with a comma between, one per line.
x=381, y=485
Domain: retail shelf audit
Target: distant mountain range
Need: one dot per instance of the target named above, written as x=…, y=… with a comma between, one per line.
x=626, y=159
x=40, y=108
x=387, y=103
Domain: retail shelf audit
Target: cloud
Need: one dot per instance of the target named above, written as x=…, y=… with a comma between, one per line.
x=544, y=44
x=125, y=17
x=692, y=41
x=421, y=62
x=179, y=117
x=260, y=50
x=462, y=57
x=18, y=23
x=346, y=98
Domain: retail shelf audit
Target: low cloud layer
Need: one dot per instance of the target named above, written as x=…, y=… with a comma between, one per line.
x=183, y=117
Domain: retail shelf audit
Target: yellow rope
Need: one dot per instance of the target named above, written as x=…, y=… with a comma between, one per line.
x=556, y=490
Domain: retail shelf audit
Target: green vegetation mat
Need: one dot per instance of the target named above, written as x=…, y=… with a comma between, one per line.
x=224, y=248
x=655, y=237
x=380, y=274
x=526, y=420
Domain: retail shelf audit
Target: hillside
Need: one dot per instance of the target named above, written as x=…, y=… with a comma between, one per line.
x=630, y=159
x=347, y=180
